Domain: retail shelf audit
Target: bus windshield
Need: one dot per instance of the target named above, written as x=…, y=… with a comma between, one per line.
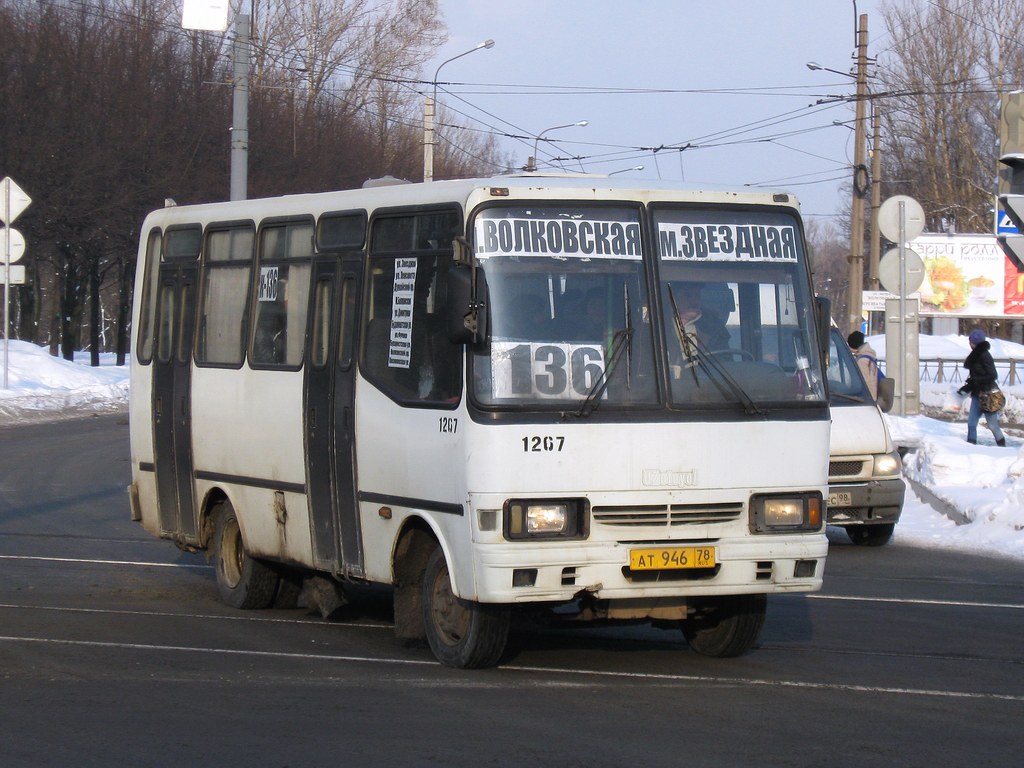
x=570, y=321
x=572, y=314
x=736, y=314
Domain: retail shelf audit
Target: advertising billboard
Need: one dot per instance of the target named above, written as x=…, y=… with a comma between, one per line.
x=966, y=276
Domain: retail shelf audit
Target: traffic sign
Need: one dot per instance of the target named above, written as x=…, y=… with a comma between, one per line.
x=12, y=245
x=889, y=270
x=889, y=218
x=1004, y=224
x=13, y=201
x=15, y=274
x=1013, y=244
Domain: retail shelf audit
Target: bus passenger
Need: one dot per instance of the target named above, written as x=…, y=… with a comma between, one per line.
x=697, y=320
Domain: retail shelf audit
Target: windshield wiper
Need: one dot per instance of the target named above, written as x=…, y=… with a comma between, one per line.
x=621, y=340
x=695, y=353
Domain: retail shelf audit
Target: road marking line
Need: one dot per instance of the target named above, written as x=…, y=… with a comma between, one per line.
x=901, y=600
x=671, y=678
x=913, y=601
x=136, y=563
x=240, y=616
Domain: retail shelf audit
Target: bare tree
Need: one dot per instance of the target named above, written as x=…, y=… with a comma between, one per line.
x=939, y=102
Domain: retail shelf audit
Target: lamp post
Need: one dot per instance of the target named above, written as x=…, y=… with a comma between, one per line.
x=856, y=288
x=531, y=163
x=428, y=112
x=626, y=170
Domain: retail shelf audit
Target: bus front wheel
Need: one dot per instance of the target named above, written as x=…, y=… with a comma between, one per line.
x=461, y=633
x=725, y=626
x=242, y=580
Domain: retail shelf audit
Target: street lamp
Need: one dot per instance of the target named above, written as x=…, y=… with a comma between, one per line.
x=625, y=170
x=815, y=67
x=428, y=113
x=531, y=164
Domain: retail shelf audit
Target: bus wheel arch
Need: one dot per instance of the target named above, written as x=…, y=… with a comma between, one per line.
x=243, y=581
x=409, y=562
x=208, y=518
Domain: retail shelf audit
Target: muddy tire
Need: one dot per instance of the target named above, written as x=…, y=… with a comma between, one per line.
x=242, y=580
x=726, y=626
x=461, y=633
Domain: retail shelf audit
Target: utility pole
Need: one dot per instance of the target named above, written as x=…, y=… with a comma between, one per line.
x=876, y=197
x=240, y=111
x=856, y=257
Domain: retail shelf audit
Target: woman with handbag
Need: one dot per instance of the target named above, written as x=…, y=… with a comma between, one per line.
x=981, y=379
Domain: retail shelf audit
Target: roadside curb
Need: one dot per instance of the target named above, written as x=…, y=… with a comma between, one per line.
x=937, y=503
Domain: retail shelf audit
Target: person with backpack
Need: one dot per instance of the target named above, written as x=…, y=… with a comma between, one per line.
x=867, y=361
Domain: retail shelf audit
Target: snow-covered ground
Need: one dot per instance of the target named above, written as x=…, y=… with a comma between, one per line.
x=982, y=483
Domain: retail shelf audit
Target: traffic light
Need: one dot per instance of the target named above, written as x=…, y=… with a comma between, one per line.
x=1010, y=211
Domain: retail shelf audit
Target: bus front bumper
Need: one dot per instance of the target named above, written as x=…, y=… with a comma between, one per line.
x=522, y=572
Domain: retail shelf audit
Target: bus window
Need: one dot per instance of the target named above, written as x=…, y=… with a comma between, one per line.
x=320, y=333
x=341, y=232
x=168, y=313
x=348, y=320
x=147, y=314
x=569, y=311
x=282, y=294
x=407, y=352
x=222, y=321
x=735, y=309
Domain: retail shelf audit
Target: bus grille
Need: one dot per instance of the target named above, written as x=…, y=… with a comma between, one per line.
x=665, y=515
x=845, y=468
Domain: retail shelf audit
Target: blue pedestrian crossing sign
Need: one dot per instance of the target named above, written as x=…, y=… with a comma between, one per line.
x=1004, y=224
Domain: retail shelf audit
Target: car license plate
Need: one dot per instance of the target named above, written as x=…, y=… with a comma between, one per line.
x=840, y=499
x=664, y=558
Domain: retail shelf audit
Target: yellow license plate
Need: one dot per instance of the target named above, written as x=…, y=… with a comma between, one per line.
x=664, y=558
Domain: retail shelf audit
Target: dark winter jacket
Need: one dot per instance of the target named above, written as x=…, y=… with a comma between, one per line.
x=981, y=370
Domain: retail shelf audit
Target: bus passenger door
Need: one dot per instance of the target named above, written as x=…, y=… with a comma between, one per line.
x=172, y=425
x=330, y=421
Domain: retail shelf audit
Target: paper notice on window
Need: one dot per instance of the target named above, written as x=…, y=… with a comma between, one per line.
x=400, y=349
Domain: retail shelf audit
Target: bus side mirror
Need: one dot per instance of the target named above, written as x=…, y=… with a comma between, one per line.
x=467, y=293
x=886, y=394
x=824, y=309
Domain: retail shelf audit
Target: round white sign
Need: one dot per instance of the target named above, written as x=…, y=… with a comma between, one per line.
x=889, y=270
x=15, y=247
x=889, y=218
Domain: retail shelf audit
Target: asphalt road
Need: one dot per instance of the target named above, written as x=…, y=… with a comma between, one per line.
x=114, y=650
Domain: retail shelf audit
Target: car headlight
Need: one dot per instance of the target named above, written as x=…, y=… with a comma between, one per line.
x=888, y=464
x=544, y=518
x=785, y=513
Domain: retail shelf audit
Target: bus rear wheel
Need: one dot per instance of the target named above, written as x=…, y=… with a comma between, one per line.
x=725, y=626
x=461, y=633
x=242, y=580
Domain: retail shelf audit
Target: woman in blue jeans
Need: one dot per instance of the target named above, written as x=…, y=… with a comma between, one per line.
x=981, y=377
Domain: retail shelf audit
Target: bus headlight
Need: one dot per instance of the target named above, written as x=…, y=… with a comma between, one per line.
x=544, y=518
x=785, y=513
x=887, y=464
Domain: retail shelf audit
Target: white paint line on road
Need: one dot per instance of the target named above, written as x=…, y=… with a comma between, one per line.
x=131, y=563
x=591, y=673
x=912, y=601
x=811, y=596
x=235, y=616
